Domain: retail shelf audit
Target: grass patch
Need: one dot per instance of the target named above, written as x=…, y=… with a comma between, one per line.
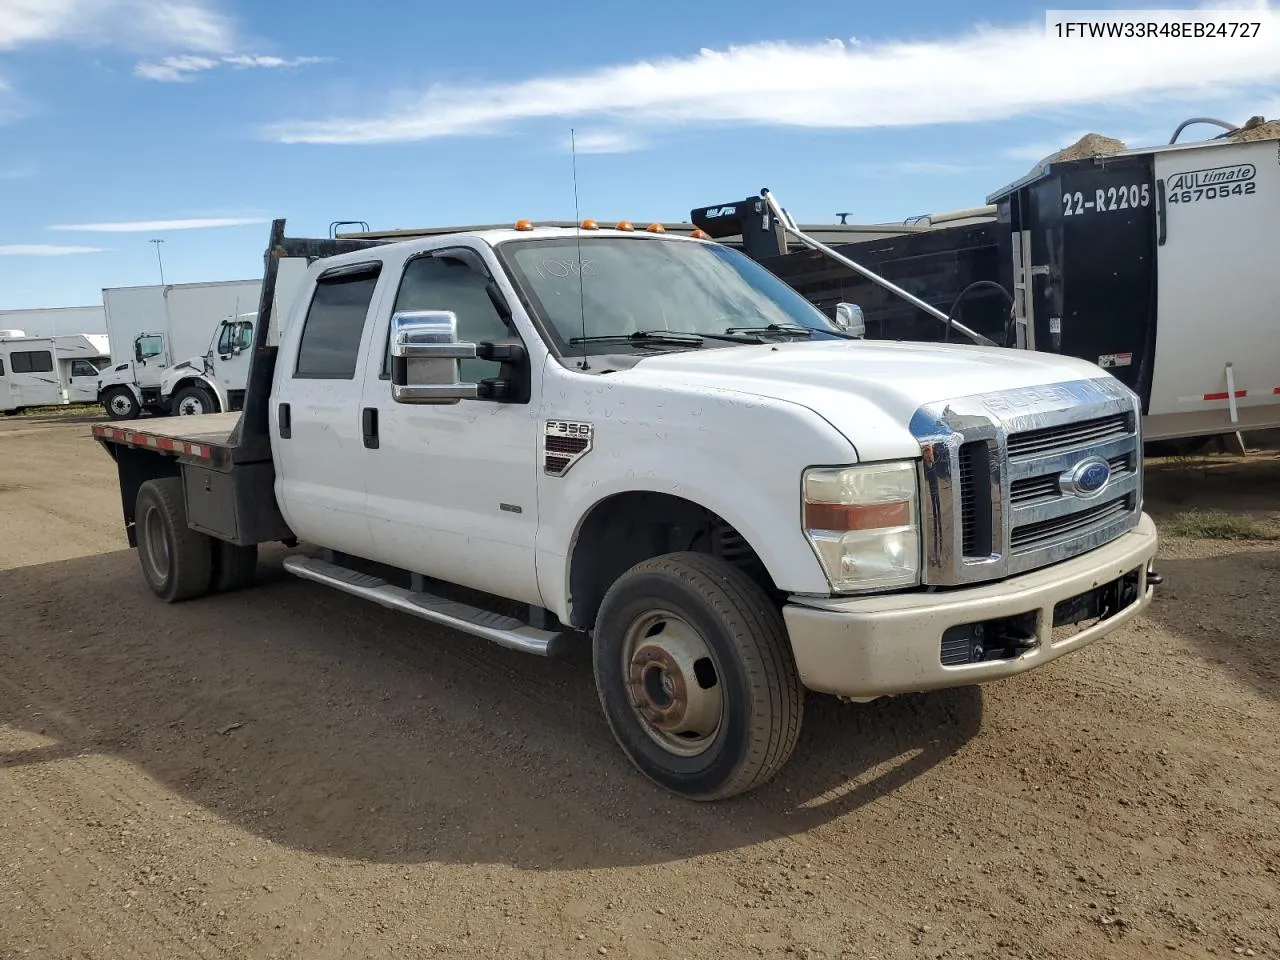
x=64, y=410
x=1218, y=525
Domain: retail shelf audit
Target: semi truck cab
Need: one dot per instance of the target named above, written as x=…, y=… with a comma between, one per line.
x=650, y=445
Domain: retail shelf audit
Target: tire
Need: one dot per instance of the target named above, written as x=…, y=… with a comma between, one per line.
x=193, y=401
x=234, y=567
x=676, y=612
x=120, y=404
x=176, y=561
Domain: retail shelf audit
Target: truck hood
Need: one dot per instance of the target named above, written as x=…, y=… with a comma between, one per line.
x=868, y=390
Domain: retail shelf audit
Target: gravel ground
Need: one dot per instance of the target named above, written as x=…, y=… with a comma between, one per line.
x=289, y=772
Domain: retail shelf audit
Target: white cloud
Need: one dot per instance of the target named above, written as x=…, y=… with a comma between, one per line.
x=184, y=68
x=159, y=226
x=173, y=69
x=132, y=24
x=986, y=74
x=245, y=60
x=607, y=141
x=43, y=250
x=204, y=36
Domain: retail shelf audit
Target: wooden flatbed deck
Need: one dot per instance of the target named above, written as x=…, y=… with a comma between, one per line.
x=183, y=436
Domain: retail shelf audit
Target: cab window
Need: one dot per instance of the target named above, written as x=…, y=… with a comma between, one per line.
x=443, y=283
x=149, y=346
x=235, y=336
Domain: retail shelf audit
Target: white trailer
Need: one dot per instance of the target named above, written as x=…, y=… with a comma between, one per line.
x=55, y=321
x=1217, y=344
x=28, y=374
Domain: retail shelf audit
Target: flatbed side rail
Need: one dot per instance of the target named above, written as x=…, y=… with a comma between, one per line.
x=145, y=441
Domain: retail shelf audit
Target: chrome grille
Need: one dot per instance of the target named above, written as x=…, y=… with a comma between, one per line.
x=1033, y=536
x=975, y=509
x=1070, y=436
x=994, y=503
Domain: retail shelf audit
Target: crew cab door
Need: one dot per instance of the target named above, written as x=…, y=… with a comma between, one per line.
x=315, y=416
x=452, y=488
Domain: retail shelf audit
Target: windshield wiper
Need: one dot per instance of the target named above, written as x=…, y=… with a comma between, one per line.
x=677, y=337
x=642, y=336
x=787, y=329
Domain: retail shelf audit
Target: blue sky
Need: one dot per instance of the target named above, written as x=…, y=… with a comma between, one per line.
x=196, y=121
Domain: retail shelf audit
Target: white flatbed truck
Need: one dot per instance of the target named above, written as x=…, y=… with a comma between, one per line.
x=657, y=448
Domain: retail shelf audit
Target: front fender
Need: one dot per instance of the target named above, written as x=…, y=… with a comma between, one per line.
x=196, y=380
x=740, y=458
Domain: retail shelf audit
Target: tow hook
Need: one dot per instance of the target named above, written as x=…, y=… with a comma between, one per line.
x=1154, y=579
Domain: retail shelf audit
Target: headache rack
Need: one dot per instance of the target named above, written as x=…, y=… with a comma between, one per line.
x=224, y=459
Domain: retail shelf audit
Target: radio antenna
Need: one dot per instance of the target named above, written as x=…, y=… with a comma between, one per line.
x=582, y=273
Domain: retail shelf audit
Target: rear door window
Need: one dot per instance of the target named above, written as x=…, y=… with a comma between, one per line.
x=334, y=326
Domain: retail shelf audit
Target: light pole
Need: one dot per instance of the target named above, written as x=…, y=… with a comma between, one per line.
x=158, y=259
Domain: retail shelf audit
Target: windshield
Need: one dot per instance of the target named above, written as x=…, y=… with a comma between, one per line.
x=653, y=286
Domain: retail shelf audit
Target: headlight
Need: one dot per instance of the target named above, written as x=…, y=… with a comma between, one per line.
x=864, y=524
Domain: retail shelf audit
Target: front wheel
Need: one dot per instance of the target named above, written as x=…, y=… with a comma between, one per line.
x=121, y=404
x=194, y=402
x=696, y=676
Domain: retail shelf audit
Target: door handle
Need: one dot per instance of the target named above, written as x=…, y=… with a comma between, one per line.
x=286, y=422
x=369, y=427
x=1162, y=214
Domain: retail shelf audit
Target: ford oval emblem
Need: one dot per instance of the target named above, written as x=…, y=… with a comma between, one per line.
x=1086, y=479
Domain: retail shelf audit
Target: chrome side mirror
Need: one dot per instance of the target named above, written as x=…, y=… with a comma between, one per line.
x=849, y=318
x=424, y=358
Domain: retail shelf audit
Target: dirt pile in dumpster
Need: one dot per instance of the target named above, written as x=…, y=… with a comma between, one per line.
x=1090, y=145
x=1257, y=129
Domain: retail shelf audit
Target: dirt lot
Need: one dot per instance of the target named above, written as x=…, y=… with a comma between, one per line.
x=289, y=772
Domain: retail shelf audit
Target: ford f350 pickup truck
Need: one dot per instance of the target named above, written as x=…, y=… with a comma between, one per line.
x=650, y=444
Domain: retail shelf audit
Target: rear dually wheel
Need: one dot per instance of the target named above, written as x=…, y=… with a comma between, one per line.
x=176, y=561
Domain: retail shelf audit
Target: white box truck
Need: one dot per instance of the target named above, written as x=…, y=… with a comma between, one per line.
x=182, y=348
x=662, y=452
x=153, y=327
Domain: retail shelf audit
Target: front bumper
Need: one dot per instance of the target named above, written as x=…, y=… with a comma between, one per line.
x=867, y=647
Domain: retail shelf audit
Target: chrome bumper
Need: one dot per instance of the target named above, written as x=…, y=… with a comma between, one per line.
x=869, y=647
